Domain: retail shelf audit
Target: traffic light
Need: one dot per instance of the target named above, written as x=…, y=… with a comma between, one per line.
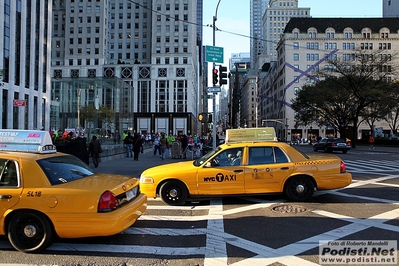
x=215, y=77
x=222, y=75
x=209, y=118
x=203, y=117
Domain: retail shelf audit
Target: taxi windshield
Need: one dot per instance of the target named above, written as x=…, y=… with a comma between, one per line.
x=63, y=169
x=204, y=158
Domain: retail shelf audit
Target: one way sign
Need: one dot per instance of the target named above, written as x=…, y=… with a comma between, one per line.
x=213, y=89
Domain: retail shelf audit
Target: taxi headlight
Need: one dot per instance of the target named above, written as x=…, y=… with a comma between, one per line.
x=146, y=180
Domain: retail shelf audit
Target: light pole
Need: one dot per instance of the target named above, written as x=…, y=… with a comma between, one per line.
x=213, y=67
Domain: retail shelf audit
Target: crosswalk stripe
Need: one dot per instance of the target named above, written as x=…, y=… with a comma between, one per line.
x=375, y=166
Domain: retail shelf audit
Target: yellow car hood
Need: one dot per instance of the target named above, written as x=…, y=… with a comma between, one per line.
x=166, y=168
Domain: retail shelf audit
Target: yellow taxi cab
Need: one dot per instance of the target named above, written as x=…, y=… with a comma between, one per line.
x=250, y=162
x=44, y=194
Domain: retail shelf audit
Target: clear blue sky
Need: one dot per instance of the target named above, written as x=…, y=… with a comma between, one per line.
x=233, y=16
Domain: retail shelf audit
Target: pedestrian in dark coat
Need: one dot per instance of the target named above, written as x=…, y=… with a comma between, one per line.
x=137, y=143
x=95, y=150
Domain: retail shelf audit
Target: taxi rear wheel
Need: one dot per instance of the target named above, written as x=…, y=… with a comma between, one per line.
x=299, y=188
x=173, y=192
x=30, y=232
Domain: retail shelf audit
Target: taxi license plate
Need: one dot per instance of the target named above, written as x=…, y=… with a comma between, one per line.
x=131, y=194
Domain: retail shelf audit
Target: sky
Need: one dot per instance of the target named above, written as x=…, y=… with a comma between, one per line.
x=233, y=19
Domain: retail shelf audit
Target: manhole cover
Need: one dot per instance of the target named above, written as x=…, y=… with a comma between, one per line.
x=289, y=209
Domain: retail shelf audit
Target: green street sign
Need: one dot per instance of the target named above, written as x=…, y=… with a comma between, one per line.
x=214, y=54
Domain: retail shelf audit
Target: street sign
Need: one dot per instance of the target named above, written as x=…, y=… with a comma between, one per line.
x=19, y=102
x=213, y=89
x=214, y=54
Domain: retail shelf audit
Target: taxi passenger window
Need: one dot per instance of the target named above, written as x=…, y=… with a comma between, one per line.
x=261, y=155
x=280, y=156
x=9, y=173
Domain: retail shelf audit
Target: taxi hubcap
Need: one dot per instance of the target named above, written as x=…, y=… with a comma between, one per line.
x=173, y=193
x=300, y=188
x=30, y=231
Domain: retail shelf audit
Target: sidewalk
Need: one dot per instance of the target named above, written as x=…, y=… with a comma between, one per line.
x=120, y=164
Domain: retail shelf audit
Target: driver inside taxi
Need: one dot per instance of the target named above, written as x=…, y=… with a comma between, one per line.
x=231, y=155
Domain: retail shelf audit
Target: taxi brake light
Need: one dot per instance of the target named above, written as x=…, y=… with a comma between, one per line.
x=108, y=202
x=343, y=167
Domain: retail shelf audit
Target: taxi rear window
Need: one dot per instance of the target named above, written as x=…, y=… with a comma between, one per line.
x=63, y=169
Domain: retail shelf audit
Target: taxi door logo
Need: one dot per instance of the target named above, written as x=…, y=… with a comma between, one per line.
x=220, y=178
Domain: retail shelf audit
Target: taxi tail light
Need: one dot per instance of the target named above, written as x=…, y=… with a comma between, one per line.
x=108, y=202
x=343, y=167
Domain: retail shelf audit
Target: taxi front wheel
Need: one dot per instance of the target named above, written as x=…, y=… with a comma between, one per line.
x=173, y=192
x=299, y=188
x=30, y=231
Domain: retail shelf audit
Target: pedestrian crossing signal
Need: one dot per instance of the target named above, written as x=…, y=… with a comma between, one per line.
x=203, y=117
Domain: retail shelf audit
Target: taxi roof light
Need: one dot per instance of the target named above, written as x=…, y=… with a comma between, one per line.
x=34, y=141
x=250, y=135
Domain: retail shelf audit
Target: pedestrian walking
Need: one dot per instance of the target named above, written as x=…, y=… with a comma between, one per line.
x=164, y=146
x=128, y=142
x=157, y=147
x=95, y=149
x=124, y=135
x=137, y=144
x=371, y=142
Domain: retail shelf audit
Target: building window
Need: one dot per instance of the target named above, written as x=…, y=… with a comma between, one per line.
x=296, y=57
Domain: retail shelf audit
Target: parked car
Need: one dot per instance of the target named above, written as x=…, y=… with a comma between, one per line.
x=332, y=144
x=251, y=161
x=45, y=193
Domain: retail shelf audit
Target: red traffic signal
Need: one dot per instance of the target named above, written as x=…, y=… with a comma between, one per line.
x=215, y=76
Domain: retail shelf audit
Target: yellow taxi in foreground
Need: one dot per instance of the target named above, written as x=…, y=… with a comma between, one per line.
x=250, y=162
x=44, y=194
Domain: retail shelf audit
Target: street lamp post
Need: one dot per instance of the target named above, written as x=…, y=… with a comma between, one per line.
x=213, y=67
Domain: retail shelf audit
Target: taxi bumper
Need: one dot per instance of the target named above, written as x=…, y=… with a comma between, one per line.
x=76, y=225
x=149, y=189
x=334, y=181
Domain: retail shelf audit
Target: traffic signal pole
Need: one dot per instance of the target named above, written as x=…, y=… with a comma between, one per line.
x=214, y=67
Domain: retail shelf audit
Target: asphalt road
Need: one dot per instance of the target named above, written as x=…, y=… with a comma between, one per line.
x=265, y=230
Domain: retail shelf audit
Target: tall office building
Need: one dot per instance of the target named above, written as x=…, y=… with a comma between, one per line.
x=275, y=19
x=139, y=59
x=25, y=30
x=257, y=9
x=390, y=8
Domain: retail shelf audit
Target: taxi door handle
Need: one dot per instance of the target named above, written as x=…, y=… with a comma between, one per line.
x=284, y=168
x=238, y=171
x=5, y=196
